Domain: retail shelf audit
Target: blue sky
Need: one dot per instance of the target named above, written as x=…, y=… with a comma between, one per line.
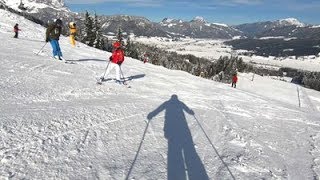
x=220, y=11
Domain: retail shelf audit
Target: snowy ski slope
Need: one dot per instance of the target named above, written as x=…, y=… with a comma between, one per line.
x=56, y=123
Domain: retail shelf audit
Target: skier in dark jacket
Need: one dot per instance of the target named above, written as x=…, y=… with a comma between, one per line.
x=16, y=30
x=52, y=35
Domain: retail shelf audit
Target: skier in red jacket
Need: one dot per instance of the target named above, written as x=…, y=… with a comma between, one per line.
x=234, y=81
x=116, y=60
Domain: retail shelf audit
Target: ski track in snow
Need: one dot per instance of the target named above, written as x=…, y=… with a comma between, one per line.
x=56, y=123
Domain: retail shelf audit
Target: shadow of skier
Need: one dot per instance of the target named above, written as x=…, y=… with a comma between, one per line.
x=83, y=60
x=183, y=160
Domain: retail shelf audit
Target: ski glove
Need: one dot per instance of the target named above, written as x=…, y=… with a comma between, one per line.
x=47, y=39
x=110, y=58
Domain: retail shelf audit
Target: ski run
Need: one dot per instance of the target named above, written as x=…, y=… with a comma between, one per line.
x=57, y=123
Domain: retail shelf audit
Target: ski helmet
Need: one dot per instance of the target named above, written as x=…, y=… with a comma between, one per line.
x=59, y=22
x=72, y=24
x=117, y=44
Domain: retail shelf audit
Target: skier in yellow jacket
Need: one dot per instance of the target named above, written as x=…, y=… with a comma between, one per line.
x=73, y=33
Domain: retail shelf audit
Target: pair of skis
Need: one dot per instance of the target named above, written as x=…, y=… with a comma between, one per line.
x=40, y=53
x=64, y=61
x=101, y=79
x=124, y=82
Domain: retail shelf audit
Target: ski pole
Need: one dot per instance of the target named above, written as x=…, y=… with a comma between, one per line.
x=42, y=48
x=124, y=80
x=105, y=71
x=214, y=148
x=138, y=152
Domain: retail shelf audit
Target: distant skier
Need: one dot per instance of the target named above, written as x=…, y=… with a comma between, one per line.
x=145, y=58
x=73, y=33
x=116, y=60
x=16, y=30
x=234, y=80
x=52, y=35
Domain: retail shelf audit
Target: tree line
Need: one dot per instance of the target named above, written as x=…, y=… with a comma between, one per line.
x=92, y=32
x=194, y=65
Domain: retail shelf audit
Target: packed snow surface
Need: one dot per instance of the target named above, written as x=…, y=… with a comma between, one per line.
x=56, y=123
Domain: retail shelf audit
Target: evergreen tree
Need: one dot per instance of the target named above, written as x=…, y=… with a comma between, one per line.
x=102, y=44
x=120, y=36
x=128, y=46
x=131, y=49
x=89, y=35
x=99, y=41
x=108, y=45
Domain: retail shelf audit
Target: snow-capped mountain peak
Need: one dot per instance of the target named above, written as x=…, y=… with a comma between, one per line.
x=171, y=20
x=32, y=6
x=167, y=20
x=199, y=19
x=291, y=21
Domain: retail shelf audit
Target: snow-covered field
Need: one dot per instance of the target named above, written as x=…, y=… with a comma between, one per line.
x=307, y=64
x=205, y=48
x=213, y=49
x=56, y=123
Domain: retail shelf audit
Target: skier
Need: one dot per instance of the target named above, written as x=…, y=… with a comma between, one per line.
x=52, y=35
x=146, y=58
x=16, y=30
x=73, y=33
x=116, y=59
x=234, y=80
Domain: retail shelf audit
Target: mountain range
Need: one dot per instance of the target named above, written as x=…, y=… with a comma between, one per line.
x=47, y=10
